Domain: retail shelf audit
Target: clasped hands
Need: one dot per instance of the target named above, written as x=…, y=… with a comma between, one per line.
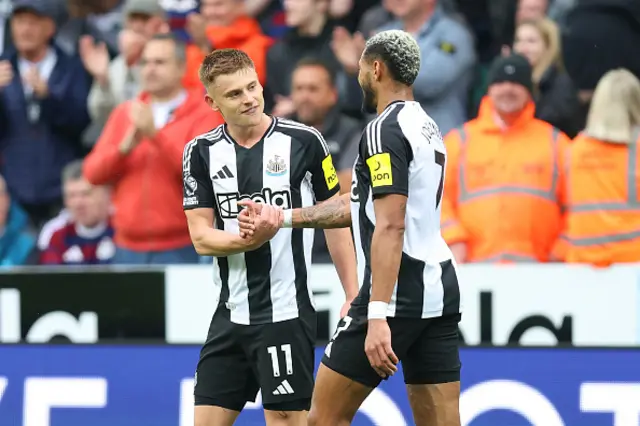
x=259, y=222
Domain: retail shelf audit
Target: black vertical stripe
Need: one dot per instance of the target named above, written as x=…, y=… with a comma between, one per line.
x=410, y=293
x=223, y=264
x=451, y=298
x=250, y=181
x=297, y=235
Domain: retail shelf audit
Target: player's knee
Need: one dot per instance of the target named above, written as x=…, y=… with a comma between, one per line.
x=315, y=419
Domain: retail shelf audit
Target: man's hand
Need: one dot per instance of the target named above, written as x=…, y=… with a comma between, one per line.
x=95, y=58
x=130, y=45
x=266, y=223
x=141, y=117
x=377, y=346
x=39, y=86
x=6, y=73
x=196, y=26
x=284, y=106
x=347, y=49
x=246, y=218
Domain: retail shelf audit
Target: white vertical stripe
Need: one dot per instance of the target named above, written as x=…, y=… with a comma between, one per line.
x=220, y=155
x=308, y=234
x=277, y=147
x=355, y=224
x=433, y=290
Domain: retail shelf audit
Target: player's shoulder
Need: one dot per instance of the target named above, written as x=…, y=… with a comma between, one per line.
x=209, y=138
x=297, y=130
x=301, y=132
x=203, y=141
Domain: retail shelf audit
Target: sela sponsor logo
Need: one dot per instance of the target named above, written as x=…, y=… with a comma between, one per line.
x=330, y=175
x=228, y=202
x=56, y=324
x=557, y=332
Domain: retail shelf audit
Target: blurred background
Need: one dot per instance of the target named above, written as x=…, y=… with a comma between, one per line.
x=539, y=105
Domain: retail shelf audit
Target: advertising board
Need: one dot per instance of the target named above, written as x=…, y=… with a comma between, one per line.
x=540, y=305
x=80, y=385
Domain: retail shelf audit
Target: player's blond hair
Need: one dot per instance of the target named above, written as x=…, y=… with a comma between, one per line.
x=399, y=51
x=223, y=62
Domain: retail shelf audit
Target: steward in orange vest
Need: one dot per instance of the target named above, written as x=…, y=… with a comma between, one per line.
x=504, y=173
x=602, y=223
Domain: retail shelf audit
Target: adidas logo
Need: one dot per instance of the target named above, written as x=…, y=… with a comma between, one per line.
x=284, y=389
x=223, y=173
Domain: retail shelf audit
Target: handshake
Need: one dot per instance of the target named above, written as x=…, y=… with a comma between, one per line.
x=259, y=222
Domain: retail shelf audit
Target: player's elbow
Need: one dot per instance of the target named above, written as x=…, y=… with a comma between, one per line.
x=391, y=226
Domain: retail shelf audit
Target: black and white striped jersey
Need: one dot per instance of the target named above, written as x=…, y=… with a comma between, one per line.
x=289, y=167
x=402, y=152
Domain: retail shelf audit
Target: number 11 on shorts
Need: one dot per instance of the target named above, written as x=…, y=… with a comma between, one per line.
x=275, y=362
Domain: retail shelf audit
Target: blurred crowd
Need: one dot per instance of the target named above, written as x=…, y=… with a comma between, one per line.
x=538, y=101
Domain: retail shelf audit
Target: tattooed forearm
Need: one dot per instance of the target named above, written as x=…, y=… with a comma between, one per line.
x=334, y=213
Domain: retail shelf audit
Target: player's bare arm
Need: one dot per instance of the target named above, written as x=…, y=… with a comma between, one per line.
x=386, y=253
x=332, y=213
x=209, y=241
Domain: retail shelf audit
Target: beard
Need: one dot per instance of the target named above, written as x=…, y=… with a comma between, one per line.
x=369, y=100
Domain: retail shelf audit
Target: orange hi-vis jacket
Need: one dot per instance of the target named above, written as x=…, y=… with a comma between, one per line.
x=602, y=222
x=244, y=34
x=503, y=189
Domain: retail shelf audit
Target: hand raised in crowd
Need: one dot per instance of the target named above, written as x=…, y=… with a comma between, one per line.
x=6, y=73
x=95, y=58
x=196, y=26
x=347, y=48
x=284, y=106
x=38, y=84
x=131, y=44
x=141, y=117
x=266, y=222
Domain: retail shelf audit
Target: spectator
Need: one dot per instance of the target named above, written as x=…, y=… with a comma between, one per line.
x=140, y=154
x=5, y=33
x=315, y=97
x=16, y=242
x=531, y=10
x=100, y=19
x=43, y=97
x=310, y=34
x=117, y=81
x=556, y=98
x=223, y=24
x=375, y=18
x=602, y=205
x=599, y=36
x=177, y=12
x=87, y=238
x=446, y=70
x=503, y=186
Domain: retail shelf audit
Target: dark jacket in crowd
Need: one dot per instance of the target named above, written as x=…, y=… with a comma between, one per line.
x=34, y=151
x=284, y=55
x=598, y=36
x=557, y=102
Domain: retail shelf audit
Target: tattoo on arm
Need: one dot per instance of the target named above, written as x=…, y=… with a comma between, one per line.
x=335, y=213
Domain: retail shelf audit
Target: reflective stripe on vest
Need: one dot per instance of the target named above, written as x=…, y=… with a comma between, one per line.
x=550, y=194
x=509, y=257
x=630, y=204
x=603, y=239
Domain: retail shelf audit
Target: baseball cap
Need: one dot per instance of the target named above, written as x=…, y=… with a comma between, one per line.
x=143, y=7
x=39, y=7
x=514, y=69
